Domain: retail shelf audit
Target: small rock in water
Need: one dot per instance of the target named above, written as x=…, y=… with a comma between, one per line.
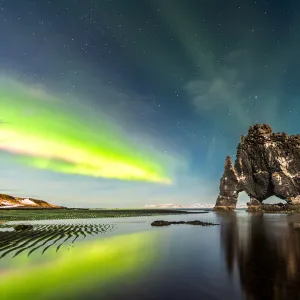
x=166, y=223
x=22, y=227
x=201, y=223
x=160, y=223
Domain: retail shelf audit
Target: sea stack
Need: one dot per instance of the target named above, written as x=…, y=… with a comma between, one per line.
x=267, y=164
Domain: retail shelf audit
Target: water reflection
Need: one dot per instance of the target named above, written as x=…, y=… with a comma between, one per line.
x=260, y=259
x=43, y=237
x=266, y=254
x=88, y=267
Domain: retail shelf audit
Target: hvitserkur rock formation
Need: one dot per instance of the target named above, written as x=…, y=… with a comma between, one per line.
x=267, y=164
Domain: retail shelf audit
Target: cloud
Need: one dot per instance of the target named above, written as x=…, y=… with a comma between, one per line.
x=221, y=81
x=222, y=89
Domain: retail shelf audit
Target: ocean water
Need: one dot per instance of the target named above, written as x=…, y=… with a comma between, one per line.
x=247, y=256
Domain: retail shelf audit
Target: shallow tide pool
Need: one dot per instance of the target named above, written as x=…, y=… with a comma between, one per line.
x=246, y=257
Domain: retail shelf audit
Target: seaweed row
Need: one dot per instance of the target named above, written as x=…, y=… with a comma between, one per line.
x=44, y=237
x=31, y=215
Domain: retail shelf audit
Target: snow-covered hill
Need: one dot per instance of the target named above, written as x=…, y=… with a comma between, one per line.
x=7, y=201
x=193, y=206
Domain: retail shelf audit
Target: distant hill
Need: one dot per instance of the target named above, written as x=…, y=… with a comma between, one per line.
x=7, y=201
x=171, y=205
x=195, y=206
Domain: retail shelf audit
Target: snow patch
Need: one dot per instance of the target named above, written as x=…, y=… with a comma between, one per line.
x=27, y=201
x=284, y=164
x=197, y=205
x=6, y=203
x=269, y=144
x=296, y=200
x=277, y=177
x=242, y=178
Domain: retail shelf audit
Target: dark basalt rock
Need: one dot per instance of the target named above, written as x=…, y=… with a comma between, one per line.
x=160, y=223
x=267, y=164
x=166, y=223
x=278, y=207
x=22, y=227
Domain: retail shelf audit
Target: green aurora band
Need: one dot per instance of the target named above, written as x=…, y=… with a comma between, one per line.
x=47, y=133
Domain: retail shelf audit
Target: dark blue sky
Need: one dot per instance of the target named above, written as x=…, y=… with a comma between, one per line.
x=185, y=77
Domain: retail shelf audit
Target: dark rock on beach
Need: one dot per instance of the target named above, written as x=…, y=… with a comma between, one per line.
x=22, y=227
x=167, y=223
x=267, y=164
x=278, y=207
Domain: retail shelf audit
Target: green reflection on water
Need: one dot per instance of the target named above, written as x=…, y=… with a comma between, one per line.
x=72, y=273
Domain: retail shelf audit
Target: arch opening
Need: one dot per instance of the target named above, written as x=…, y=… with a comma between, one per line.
x=273, y=200
x=242, y=199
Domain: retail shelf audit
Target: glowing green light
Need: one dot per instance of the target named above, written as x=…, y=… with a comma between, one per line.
x=43, y=131
x=80, y=269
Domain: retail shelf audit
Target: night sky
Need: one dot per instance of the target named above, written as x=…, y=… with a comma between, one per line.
x=127, y=103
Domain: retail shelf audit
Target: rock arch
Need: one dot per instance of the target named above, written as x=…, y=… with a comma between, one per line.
x=267, y=164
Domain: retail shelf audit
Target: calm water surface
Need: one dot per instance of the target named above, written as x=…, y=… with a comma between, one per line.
x=246, y=257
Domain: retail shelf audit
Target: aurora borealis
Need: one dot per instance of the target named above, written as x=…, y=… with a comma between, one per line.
x=47, y=136
x=126, y=103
